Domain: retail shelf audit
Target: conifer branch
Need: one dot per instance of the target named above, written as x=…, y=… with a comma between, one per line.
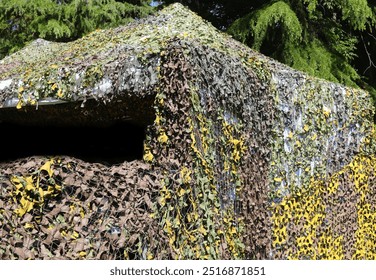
x=371, y=63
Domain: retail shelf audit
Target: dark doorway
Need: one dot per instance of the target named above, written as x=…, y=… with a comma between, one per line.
x=110, y=144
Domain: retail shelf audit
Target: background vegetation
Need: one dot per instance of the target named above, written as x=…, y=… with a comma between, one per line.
x=22, y=21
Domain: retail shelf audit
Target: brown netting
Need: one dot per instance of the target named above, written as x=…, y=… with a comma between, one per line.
x=77, y=210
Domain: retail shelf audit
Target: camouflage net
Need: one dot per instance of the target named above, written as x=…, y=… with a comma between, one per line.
x=332, y=219
x=63, y=208
x=245, y=158
x=211, y=210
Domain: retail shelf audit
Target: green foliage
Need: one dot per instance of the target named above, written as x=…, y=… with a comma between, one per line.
x=341, y=42
x=317, y=60
x=278, y=13
x=319, y=37
x=22, y=21
x=356, y=12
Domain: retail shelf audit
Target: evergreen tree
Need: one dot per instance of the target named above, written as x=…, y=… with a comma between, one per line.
x=319, y=37
x=22, y=21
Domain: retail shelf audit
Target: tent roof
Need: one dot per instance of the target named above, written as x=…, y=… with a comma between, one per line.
x=103, y=64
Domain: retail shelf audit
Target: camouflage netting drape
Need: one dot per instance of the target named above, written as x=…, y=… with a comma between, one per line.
x=244, y=158
x=64, y=208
